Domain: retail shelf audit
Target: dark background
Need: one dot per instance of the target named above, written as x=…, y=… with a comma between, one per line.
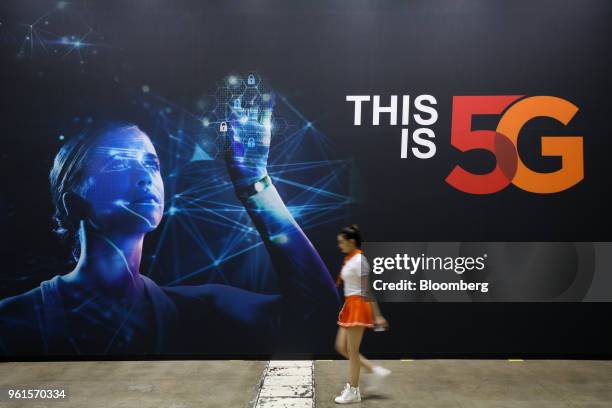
x=316, y=53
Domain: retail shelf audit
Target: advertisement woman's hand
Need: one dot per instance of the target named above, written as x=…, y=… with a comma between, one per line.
x=248, y=138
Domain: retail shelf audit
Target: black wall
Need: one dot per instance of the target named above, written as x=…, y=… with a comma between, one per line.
x=316, y=53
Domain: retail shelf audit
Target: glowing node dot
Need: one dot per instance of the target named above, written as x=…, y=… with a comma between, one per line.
x=61, y=137
x=205, y=122
x=232, y=80
x=145, y=88
x=244, y=120
x=172, y=210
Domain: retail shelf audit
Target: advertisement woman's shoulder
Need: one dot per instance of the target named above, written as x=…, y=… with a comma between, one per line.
x=22, y=306
x=19, y=323
x=190, y=293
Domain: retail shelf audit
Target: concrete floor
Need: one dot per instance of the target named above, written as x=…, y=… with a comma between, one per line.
x=478, y=384
x=138, y=384
x=228, y=384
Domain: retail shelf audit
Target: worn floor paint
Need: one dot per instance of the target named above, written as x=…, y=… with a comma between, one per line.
x=287, y=384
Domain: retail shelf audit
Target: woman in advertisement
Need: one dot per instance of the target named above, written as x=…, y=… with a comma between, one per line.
x=108, y=193
x=360, y=310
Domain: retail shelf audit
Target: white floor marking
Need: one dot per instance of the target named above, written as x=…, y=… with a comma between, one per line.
x=287, y=384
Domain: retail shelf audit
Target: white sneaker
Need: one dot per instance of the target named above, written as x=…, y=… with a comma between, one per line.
x=373, y=380
x=349, y=395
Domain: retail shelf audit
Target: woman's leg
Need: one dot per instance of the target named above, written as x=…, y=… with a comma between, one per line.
x=341, y=342
x=342, y=349
x=354, y=336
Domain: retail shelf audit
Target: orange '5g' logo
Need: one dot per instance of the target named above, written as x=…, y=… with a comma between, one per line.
x=503, y=144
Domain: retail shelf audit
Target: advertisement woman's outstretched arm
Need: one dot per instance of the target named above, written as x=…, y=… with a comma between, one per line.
x=306, y=284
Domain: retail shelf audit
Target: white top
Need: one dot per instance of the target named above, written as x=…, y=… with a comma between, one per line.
x=352, y=272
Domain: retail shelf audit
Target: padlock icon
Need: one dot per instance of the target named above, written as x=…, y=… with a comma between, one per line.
x=237, y=103
x=251, y=79
x=251, y=142
x=223, y=127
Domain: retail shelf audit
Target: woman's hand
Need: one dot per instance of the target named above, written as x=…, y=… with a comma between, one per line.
x=380, y=321
x=248, y=138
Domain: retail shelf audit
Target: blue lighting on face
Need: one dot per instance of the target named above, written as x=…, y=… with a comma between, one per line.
x=124, y=185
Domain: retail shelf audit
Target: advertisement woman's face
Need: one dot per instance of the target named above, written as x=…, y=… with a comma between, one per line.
x=123, y=185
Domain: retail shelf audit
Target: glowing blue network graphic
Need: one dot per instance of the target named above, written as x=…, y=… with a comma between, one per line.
x=236, y=132
x=210, y=231
x=206, y=233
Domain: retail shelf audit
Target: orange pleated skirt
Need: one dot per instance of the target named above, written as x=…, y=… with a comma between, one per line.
x=356, y=312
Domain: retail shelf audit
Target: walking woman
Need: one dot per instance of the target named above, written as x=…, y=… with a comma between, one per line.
x=359, y=311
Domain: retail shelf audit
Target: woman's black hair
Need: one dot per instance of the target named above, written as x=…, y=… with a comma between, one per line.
x=67, y=176
x=352, y=232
